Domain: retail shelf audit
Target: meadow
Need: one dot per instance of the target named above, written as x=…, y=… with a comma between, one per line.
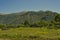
x=30, y=34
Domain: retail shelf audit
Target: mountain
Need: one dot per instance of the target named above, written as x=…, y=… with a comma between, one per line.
x=31, y=16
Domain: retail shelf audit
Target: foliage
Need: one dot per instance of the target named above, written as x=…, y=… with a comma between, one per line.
x=26, y=23
x=40, y=19
x=57, y=18
x=30, y=34
x=31, y=16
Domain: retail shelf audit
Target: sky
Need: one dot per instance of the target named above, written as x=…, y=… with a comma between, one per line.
x=12, y=6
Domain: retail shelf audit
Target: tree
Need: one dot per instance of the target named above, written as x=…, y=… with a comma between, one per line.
x=26, y=23
x=3, y=27
x=40, y=24
x=57, y=18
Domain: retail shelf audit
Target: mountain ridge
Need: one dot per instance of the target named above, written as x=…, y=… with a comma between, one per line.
x=32, y=16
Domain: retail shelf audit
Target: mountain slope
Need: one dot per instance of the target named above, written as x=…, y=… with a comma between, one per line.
x=31, y=16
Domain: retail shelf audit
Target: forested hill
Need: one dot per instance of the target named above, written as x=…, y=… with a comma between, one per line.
x=31, y=16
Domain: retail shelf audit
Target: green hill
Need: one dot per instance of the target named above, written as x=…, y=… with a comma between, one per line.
x=31, y=16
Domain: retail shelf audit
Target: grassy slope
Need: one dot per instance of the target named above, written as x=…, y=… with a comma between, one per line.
x=30, y=33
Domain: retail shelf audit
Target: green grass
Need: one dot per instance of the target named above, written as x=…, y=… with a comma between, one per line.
x=30, y=33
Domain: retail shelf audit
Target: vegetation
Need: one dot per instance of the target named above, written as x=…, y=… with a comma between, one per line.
x=30, y=34
x=31, y=16
x=48, y=19
x=31, y=25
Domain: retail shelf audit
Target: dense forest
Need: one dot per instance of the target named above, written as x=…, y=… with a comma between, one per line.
x=40, y=19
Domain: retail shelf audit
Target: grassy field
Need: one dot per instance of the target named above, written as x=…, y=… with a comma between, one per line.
x=30, y=34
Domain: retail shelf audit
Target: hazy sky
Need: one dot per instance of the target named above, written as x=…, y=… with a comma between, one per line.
x=10, y=6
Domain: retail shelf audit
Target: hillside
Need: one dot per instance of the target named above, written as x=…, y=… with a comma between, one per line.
x=31, y=16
